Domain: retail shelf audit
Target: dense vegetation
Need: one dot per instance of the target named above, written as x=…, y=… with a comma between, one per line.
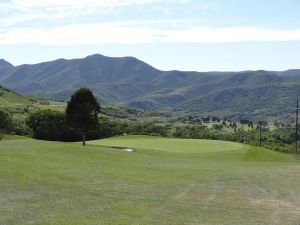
x=51, y=125
x=5, y=123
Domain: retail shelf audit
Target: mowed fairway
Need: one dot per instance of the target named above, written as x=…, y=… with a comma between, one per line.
x=164, y=181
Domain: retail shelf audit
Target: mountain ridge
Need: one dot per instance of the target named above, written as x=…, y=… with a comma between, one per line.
x=132, y=82
x=5, y=64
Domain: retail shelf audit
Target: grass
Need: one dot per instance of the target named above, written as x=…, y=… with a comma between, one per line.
x=165, y=181
x=13, y=137
x=15, y=102
x=53, y=105
x=11, y=99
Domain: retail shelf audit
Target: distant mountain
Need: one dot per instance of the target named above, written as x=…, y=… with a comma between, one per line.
x=131, y=82
x=4, y=66
x=4, y=63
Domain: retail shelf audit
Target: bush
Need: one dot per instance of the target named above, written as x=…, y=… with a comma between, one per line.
x=217, y=127
x=107, y=128
x=51, y=125
x=19, y=127
x=5, y=123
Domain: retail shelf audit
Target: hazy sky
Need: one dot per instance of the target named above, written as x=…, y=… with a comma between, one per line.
x=197, y=35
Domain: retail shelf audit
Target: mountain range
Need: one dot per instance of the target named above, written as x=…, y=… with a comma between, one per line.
x=131, y=82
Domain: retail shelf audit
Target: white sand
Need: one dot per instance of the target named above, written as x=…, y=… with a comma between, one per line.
x=128, y=149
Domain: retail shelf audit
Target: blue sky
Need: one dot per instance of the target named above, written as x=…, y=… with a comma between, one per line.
x=201, y=35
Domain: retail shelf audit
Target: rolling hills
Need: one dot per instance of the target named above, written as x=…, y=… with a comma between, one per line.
x=20, y=106
x=131, y=82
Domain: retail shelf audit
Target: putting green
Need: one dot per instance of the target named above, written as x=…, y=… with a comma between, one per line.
x=171, y=145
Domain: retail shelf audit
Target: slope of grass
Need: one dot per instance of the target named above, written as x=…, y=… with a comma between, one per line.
x=165, y=181
x=10, y=98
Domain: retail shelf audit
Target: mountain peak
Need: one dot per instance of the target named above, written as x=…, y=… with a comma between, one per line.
x=96, y=56
x=100, y=56
x=4, y=63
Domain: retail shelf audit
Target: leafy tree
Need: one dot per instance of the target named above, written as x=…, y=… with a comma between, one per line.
x=217, y=127
x=51, y=125
x=20, y=127
x=5, y=122
x=224, y=123
x=82, y=112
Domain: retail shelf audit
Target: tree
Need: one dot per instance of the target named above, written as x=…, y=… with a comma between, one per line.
x=82, y=112
x=51, y=125
x=5, y=122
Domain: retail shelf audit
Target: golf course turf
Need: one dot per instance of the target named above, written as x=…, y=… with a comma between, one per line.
x=163, y=181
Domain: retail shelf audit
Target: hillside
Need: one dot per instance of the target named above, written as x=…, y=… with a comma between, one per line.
x=9, y=98
x=5, y=64
x=131, y=82
x=20, y=106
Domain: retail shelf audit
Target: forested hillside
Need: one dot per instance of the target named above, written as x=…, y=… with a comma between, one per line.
x=131, y=82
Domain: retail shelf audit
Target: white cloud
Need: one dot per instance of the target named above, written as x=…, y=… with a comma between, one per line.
x=142, y=32
x=37, y=12
x=16, y=11
x=13, y=12
x=53, y=5
x=234, y=34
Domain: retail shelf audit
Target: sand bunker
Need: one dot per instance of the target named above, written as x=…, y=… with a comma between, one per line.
x=127, y=149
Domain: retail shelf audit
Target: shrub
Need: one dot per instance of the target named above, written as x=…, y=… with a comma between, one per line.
x=51, y=125
x=5, y=123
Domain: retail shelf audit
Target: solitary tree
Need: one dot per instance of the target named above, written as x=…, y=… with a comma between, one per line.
x=82, y=112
